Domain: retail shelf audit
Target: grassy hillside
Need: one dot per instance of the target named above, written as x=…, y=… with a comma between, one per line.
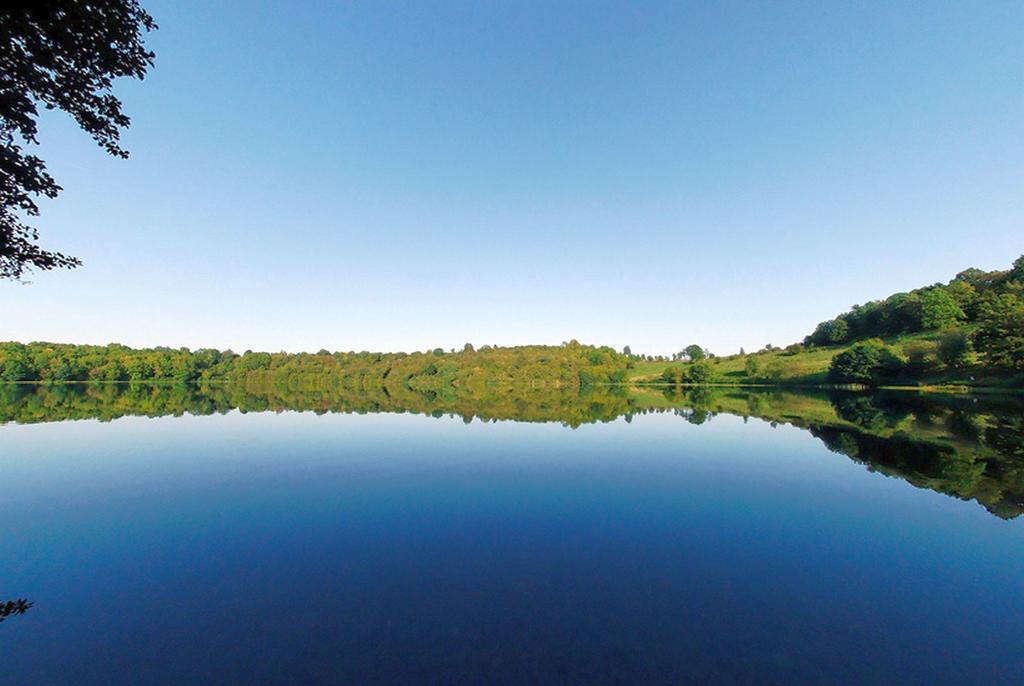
x=809, y=367
x=968, y=332
x=805, y=367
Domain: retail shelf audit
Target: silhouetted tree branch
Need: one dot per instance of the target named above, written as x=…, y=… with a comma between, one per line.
x=61, y=54
x=12, y=608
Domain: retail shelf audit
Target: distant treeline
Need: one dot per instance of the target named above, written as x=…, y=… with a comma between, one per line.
x=569, y=365
x=972, y=327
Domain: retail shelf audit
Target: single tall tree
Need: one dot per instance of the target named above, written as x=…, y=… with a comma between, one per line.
x=61, y=54
x=694, y=353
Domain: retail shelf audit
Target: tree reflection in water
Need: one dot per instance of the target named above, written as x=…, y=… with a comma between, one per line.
x=968, y=447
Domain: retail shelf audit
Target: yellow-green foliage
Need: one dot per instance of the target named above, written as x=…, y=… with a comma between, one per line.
x=29, y=404
x=569, y=365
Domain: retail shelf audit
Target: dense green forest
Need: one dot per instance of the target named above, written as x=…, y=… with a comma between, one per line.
x=569, y=365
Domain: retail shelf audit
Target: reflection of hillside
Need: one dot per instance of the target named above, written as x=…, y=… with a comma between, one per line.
x=966, y=447
x=969, y=448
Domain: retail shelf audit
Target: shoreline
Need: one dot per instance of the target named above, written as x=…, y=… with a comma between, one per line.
x=953, y=389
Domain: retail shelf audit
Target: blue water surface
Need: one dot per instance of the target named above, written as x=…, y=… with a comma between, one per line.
x=388, y=549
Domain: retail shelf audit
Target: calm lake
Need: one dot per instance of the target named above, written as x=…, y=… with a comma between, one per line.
x=216, y=535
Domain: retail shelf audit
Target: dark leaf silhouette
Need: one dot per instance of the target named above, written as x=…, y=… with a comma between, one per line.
x=12, y=608
x=60, y=54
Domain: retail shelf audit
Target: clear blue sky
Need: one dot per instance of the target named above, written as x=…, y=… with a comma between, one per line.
x=389, y=176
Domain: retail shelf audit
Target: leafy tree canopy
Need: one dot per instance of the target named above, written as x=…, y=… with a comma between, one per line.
x=928, y=308
x=700, y=372
x=1000, y=335
x=694, y=352
x=61, y=54
x=939, y=309
x=569, y=365
x=954, y=348
x=868, y=362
